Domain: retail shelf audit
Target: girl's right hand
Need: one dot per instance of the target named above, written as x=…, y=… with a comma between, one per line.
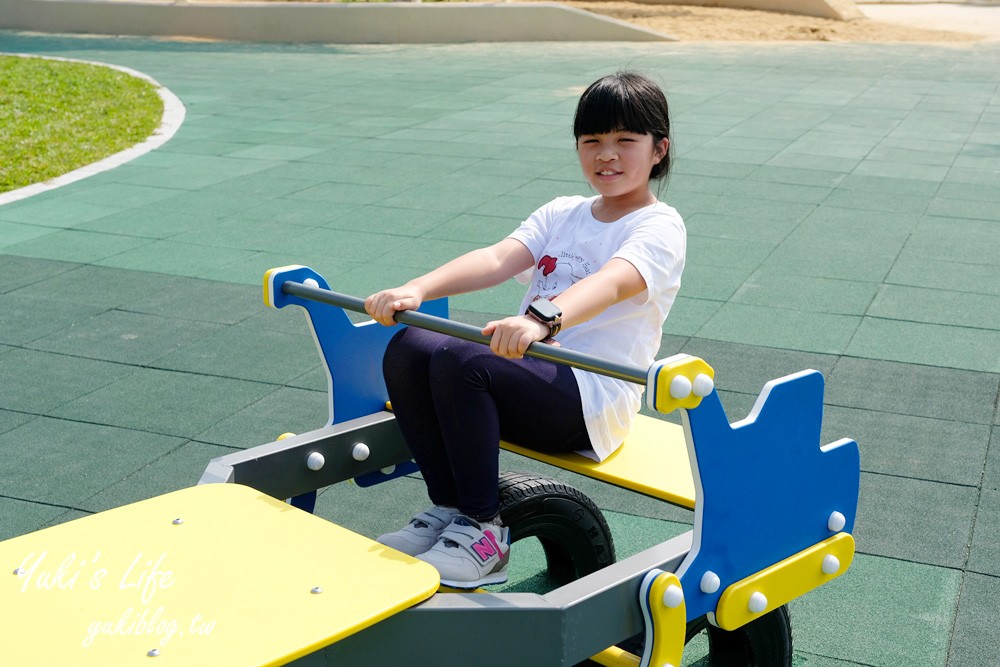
x=383, y=306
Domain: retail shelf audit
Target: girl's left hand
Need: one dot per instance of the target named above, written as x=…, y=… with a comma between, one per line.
x=511, y=336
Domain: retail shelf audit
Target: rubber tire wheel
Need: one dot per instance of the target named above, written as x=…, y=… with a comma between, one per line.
x=765, y=642
x=573, y=533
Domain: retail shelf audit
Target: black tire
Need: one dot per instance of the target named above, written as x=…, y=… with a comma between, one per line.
x=766, y=642
x=573, y=533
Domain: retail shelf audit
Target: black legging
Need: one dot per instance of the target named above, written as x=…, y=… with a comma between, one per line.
x=455, y=400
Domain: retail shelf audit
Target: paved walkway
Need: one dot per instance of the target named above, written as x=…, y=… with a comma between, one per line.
x=977, y=18
x=841, y=201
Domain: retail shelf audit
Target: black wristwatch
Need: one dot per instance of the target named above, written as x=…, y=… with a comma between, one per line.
x=547, y=313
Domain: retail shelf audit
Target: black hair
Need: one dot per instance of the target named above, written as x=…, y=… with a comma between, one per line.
x=626, y=101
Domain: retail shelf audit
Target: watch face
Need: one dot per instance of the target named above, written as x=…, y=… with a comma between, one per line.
x=545, y=310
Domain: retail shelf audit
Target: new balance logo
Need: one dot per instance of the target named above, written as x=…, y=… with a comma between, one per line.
x=487, y=547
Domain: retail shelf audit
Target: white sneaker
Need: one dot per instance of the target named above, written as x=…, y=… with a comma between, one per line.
x=422, y=531
x=469, y=554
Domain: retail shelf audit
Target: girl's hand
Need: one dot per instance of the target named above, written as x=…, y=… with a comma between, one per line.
x=511, y=336
x=383, y=306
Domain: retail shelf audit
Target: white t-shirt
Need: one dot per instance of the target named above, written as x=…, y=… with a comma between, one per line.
x=569, y=244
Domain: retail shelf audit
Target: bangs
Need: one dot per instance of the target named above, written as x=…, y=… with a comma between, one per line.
x=611, y=105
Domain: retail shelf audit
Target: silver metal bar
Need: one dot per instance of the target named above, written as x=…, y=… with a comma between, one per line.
x=468, y=332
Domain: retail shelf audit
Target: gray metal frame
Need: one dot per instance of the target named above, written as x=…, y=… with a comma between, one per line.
x=563, y=627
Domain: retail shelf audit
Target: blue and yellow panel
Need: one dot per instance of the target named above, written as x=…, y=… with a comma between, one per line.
x=215, y=575
x=653, y=460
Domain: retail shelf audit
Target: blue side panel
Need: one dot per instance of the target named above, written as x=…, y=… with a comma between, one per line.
x=352, y=352
x=765, y=488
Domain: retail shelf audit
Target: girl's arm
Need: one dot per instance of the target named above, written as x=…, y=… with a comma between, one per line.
x=472, y=271
x=616, y=281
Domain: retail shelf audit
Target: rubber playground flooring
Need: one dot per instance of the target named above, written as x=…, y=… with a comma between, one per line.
x=843, y=212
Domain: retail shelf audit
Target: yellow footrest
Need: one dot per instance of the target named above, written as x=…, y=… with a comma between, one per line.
x=216, y=575
x=653, y=460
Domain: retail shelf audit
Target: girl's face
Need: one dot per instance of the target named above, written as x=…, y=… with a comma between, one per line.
x=617, y=164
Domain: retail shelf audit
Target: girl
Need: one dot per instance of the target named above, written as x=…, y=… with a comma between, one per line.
x=602, y=272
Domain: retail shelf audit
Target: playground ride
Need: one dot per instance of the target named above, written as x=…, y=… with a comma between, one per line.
x=225, y=573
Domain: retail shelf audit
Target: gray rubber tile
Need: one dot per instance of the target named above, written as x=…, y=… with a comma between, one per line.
x=910, y=389
x=23, y=271
x=916, y=520
x=900, y=614
x=975, y=640
x=116, y=287
x=918, y=447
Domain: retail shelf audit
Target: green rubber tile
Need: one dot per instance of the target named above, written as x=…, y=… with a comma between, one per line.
x=374, y=510
x=958, y=191
x=173, y=258
x=916, y=520
x=37, y=382
x=734, y=253
x=24, y=319
x=811, y=294
x=712, y=281
x=778, y=327
x=264, y=185
x=736, y=227
x=909, y=389
x=298, y=212
x=50, y=210
x=121, y=194
x=482, y=230
x=402, y=221
x=931, y=344
x=882, y=612
x=964, y=208
x=247, y=353
x=193, y=299
x=747, y=368
x=98, y=286
x=347, y=193
x=74, y=245
x=11, y=420
x=910, y=446
x=342, y=245
x=273, y=152
x=975, y=640
x=991, y=476
x=812, y=177
x=148, y=223
x=983, y=555
x=283, y=410
x=916, y=271
x=158, y=401
x=425, y=254
x=912, y=156
x=19, y=272
x=937, y=306
x=12, y=233
x=878, y=201
x=955, y=240
x=131, y=338
x=688, y=315
x=798, y=160
x=178, y=469
x=59, y=462
x=18, y=517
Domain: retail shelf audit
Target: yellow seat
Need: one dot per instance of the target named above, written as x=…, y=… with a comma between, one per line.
x=217, y=575
x=653, y=460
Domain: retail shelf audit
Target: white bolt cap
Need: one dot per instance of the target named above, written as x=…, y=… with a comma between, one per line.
x=310, y=282
x=831, y=564
x=680, y=387
x=388, y=470
x=710, y=582
x=360, y=452
x=315, y=461
x=673, y=596
x=836, y=522
x=703, y=385
x=758, y=602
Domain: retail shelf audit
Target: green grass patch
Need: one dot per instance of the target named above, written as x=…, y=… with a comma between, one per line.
x=58, y=116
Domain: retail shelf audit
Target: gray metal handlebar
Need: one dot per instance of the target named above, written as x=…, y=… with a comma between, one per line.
x=559, y=355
